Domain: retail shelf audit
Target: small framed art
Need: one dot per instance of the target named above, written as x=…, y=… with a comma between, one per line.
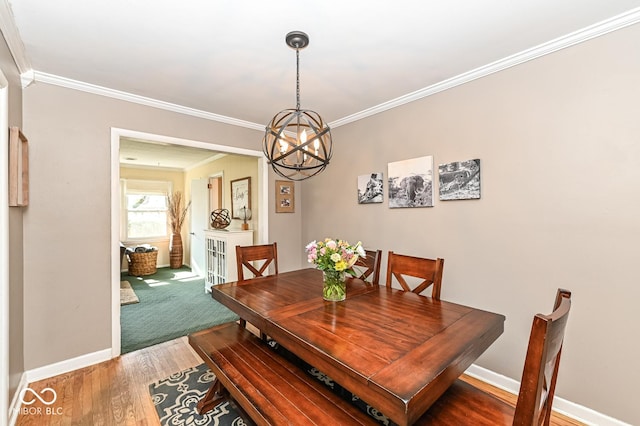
x=460, y=180
x=370, y=188
x=411, y=183
x=240, y=196
x=285, y=196
x=18, y=168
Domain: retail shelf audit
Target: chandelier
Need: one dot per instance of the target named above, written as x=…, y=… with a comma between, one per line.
x=297, y=142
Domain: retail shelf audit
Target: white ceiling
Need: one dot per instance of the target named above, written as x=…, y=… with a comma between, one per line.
x=137, y=152
x=228, y=58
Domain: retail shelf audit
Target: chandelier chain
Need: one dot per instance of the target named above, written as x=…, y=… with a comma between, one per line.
x=297, y=79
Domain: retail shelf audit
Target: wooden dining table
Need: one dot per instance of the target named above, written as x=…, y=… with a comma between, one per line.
x=396, y=350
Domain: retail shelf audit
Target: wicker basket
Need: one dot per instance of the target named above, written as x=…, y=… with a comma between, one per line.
x=143, y=263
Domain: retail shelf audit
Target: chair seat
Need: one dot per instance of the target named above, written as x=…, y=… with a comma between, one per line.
x=464, y=404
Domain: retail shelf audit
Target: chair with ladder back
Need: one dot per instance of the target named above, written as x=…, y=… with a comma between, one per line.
x=256, y=259
x=429, y=271
x=369, y=266
x=464, y=404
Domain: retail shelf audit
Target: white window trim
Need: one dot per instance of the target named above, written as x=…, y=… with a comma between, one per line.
x=165, y=187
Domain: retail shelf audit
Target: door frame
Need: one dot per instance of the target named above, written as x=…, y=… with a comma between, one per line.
x=4, y=249
x=193, y=211
x=116, y=134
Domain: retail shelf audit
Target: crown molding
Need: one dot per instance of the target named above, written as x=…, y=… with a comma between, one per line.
x=129, y=97
x=12, y=36
x=206, y=161
x=623, y=20
x=615, y=23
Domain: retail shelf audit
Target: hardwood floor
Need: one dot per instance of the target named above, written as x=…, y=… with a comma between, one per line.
x=116, y=392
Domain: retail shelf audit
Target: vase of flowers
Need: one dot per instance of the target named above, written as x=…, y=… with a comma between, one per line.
x=335, y=258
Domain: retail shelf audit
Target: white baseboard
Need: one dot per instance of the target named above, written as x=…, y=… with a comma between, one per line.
x=567, y=408
x=67, y=365
x=562, y=406
x=14, y=407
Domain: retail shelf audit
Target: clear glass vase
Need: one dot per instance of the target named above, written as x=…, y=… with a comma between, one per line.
x=334, y=288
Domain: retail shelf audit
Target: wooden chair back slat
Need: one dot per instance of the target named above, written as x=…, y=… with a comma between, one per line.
x=245, y=255
x=369, y=266
x=429, y=270
x=542, y=362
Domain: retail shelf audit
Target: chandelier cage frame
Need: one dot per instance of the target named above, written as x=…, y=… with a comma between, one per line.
x=297, y=142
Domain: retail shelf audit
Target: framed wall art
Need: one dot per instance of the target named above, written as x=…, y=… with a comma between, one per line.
x=240, y=196
x=411, y=183
x=18, y=168
x=459, y=180
x=370, y=189
x=285, y=196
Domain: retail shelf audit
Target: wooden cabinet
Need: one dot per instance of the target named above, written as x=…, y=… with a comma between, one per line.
x=220, y=255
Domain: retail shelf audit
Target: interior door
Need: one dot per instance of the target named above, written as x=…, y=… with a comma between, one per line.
x=199, y=221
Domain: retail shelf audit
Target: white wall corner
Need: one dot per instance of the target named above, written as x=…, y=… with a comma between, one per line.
x=65, y=366
x=14, y=407
x=26, y=78
x=12, y=36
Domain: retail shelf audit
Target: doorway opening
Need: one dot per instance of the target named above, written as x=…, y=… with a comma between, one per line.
x=261, y=235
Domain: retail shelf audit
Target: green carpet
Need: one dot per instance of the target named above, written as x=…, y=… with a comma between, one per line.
x=172, y=304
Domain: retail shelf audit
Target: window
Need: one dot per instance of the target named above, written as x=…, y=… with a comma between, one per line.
x=145, y=209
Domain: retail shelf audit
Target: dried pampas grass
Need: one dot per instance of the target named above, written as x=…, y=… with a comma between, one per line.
x=176, y=213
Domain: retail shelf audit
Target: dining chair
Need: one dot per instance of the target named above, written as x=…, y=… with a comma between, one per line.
x=249, y=257
x=464, y=404
x=400, y=266
x=257, y=260
x=369, y=266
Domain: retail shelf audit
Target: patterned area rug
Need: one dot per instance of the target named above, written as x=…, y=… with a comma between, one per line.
x=127, y=295
x=176, y=398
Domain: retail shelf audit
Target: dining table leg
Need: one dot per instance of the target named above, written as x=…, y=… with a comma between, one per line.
x=215, y=393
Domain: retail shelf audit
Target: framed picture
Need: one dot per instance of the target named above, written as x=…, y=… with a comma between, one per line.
x=285, y=196
x=411, y=183
x=459, y=180
x=18, y=168
x=370, y=188
x=240, y=196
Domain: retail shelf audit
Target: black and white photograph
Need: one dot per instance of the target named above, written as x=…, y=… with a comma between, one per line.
x=459, y=180
x=370, y=188
x=411, y=183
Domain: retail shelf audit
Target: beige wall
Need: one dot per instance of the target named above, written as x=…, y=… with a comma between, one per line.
x=557, y=138
x=560, y=207
x=67, y=229
x=177, y=182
